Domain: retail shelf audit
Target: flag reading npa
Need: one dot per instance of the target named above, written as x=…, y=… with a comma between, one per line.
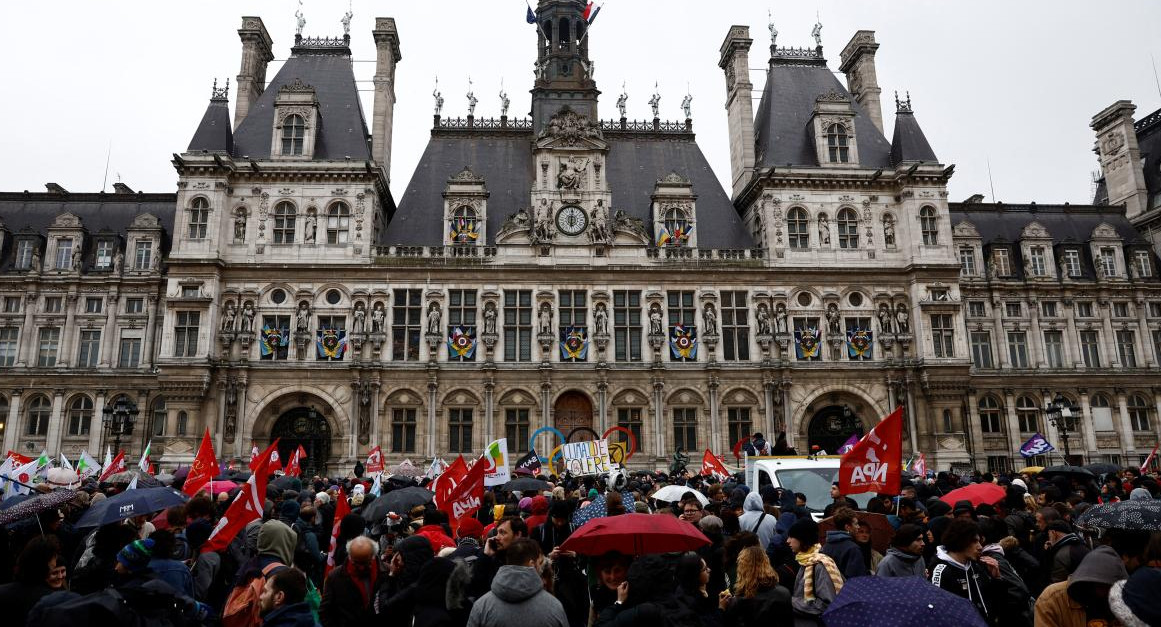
x=875, y=464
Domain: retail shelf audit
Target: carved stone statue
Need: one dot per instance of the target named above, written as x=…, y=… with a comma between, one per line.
x=572, y=173
x=656, y=324
x=763, y=317
x=310, y=229
x=655, y=102
x=229, y=318
x=780, y=318
x=1063, y=265
x=686, y=105
x=247, y=317
x=504, y=102
x=823, y=229
x=360, y=323
x=78, y=259
x=902, y=320
x=709, y=317
x=300, y=19
x=542, y=229
x=545, y=318
x=889, y=231
x=832, y=319
x=240, y=225
x=599, y=232
x=347, y=22
x=490, y=318
x=601, y=319
x=816, y=32
x=472, y=100
x=622, y=100
x=773, y=31
x=378, y=317
x=231, y=426
x=302, y=318
x=35, y=264
x=438, y=98
x=118, y=261
x=884, y=319
x=433, y=319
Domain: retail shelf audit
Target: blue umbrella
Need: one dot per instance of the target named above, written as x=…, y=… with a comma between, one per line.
x=131, y=503
x=899, y=602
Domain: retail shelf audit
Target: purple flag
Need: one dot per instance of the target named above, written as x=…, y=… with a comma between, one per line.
x=849, y=444
x=1036, y=445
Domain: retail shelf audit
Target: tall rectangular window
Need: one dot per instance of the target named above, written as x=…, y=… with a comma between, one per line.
x=518, y=325
x=94, y=304
x=185, y=332
x=9, y=341
x=1127, y=348
x=981, y=349
x=1090, y=342
x=338, y=324
x=143, y=255
x=1018, y=349
x=199, y=219
x=516, y=429
x=104, y=254
x=943, y=335
x=735, y=326
x=461, y=314
x=134, y=305
x=407, y=320
x=1037, y=260
x=682, y=313
x=630, y=418
x=1013, y=310
x=48, y=345
x=1072, y=262
x=1002, y=261
x=1108, y=261
x=967, y=261
x=64, y=253
x=53, y=304
x=1084, y=309
x=11, y=304
x=403, y=430
x=1120, y=309
x=1154, y=309
x=1048, y=309
x=459, y=429
x=685, y=428
x=338, y=223
x=24, y=253
x=1143, y=264
x=130, y=355
x=573, y=308
x=274, y=343
x=738, y=424
x=1054, y=348
x=807, y=335
x=977, y=309
x=90, y=349
x=627, y=325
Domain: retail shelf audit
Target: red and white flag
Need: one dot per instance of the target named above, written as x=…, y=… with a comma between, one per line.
x=204, y=468
x=114, y=467
x=293, y=465
x=1149, y=459
x=448, y=480
x=247, y=506
x=342, y=508
x=144, y=464
x=920, y=467
x=374, y=461
x=711, y=465
x=875, y=464
x=269, y=457
x=254, y=452
x=467, y=496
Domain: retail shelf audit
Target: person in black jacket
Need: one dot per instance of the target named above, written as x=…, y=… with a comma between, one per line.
x=646, y=599
x=757, y=599
x=36, y=568
x=283, y=600
x=840, y=545
x=960, y=568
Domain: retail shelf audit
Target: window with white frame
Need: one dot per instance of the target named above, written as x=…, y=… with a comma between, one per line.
x=1027, y=415
x=1084, y=309
x=1139, y=413
x=1143, y=264
x=197, y=218
x=64, y=253
x=293, y=134
x=1003, y=262
x=848, y=228
x=284, y=222
x=186, y=326
x=989, y=409
x=943, y=334
x=1018, y=349
x=12, y=304
x=1072, y=262
x=1102, y=413
x=39, y=413
x=134, y=305
x=1126, y=348
x=518, y=325
x=53, y=304
x=677, y=224
x=1048, y=308
x=338, y=223
x=967, y=261
x=94, y=304
x=738, y=424
x=130, y=353
x=685, y=428
x=47, y=346
x=407, y=319
x=1054, y=348
x=1090, y=342
x=1037, y=260
x=1120, y=309
x=104, y=254
x=929, y=226
x=89, y=348
x=627, y=329
x=461, y=316
x=143, y=254
x=159, y=417
x=977, y=309
x=464, y=227
x=798, y=229
x=9, y=341
x=24, y=253
x=1108, y=261
x=1013, y=309
x=981, y=342
x=735, y=326
x=838, y=144
x=80, y=416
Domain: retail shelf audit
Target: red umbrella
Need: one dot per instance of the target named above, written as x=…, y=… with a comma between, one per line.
x=977, y=493
x=635, y=534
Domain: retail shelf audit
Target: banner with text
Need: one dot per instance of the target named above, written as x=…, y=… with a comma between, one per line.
x=587, y=458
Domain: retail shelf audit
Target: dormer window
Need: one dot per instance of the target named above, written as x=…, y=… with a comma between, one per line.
x=1036, y=261
x=1072, y=262
x=1002, y=262
x=967, y=261
x=676, y=228
x=64, y=253
x=1142, y=263
x=104, y=254
x=284, y=219
x=1108, y=261
x=24, y=249
x=198, y=216
x=929, y=226
x=838, y=143
x=848, y=228
x=293, y=134
x=143, y=255
x=798, y=229
x=338, y=223
x=464, y=227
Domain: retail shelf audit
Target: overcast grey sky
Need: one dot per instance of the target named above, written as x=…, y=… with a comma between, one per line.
x=1013, y=83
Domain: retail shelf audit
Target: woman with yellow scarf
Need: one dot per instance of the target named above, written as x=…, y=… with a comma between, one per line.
x=819, y=580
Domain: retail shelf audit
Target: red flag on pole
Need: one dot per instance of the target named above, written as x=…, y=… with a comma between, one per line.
x=269, y=457
x=448, y=480
x=711, y=465
x=468, y=494
x=204, y=468
x=293, y=468
x=1149, y=459
x=374, y=461
x=254, y=452
x=875, y=464
x=342, y=508
x=247, y=506
x=114, y=467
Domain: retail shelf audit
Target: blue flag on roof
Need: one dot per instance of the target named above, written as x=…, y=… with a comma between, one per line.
x=530, y=17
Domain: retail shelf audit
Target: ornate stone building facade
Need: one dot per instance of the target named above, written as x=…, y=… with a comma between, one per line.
x=569, y=272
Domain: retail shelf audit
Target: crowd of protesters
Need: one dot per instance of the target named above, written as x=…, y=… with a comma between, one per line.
x=1020, y=561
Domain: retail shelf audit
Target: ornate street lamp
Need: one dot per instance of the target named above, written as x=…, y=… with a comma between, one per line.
x=1059, y=413
x=118, y=419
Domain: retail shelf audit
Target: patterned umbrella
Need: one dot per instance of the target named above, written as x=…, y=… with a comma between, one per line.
x=1126, y=515
x=37, y=504
x=899, y=602
x=598, y=509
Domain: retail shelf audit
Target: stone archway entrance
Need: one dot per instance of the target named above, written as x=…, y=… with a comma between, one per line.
x=573, y=413
x=303, y=426
x=831, y=426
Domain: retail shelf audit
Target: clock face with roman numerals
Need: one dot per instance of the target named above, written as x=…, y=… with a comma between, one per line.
x=571, y=220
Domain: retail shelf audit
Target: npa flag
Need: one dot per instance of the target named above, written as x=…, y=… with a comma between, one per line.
x=1036, y=445
x=374, y=461
x=143, y=464
x=116, y=465
x=342, y=508
x=204, y=468
x=447, y=481
x=529, y=464
x=466, y=497
x=711, y=465
x=875, y=464
x=294, y=464
x=247, y=506
x=267, y=458
x=496, y=456
x=849, y=444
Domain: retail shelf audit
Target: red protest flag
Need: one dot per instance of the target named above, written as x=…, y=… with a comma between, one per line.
x=114, y=467
x=21, y=459
x=204, y=468
x=342, y=508
x=301, y=452
x=293, y=469
x=468, y=495
x=448, y=480
x=711, y=465
x=269, y=457
x=374, y=461
x=247, y=506
x=875, y=464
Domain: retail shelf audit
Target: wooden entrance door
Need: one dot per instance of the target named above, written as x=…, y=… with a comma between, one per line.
x=574, y=410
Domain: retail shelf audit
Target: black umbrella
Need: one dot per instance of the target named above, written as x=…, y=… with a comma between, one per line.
x=131, y=503
x=399, y=501
x=1102, y=468
x=1068, y=471
x=32, y=506
x=287, y=482
x=1127, y=515
x=525, y=484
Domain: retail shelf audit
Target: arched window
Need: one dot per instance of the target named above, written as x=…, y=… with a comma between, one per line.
x=338, y=223
x=199, y=218
x=848, y=228
x=677, y=225
x=1027, y=414
x=838, y=144
x=464, y=226
x=929, y=226
x=284, y=220
x=565, y=36
x=182, y=423
x=39, y=411
x=293, y=132
x=1139, y=413
x=798, y=228
x=1102, y=413
x=80, y=416
x=1100, y=400
x=158, y=415
x=990, y=415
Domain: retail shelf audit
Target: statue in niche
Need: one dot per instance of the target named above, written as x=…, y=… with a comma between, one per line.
x=832, y=319
x=433, y=319
x=378, y=317
x=35, y=264
x=118, y=261
x=1063, y=264
x=545, y=317
x=360, y=323
x=78, y=259
x=310, y=229
x=542, y=229
x=229, y=318
x=599, y=231
x=709, y=317
x=364, y=419
x=823, y=229
x=231, y=426
x=572, y=173
x=888, y=231
x=601, y=319
x=656, y=324
x=490, y=318
x=884, y=316
x=902, y=320
x=302, y=318
x=247, y=317
x=240, y=225
x=763, y=317
x=780, y=318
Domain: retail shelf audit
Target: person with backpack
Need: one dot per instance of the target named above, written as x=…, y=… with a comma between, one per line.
x=755, y=519
x=283, y=601
x=757, y=598
x=276, y=543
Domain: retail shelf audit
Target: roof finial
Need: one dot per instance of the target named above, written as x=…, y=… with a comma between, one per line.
x=301, y=20
x=903, y=106
x=816, y=32
x=220, y=94
x=438, y=97
x=472, y=100
x=655, y=101
x=773, y=31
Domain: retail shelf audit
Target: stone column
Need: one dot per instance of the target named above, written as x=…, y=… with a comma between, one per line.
x=490, y=413
x=912, y=419
x=432, y=397
x=1156, y=417
x=13, y=421
x=1001, y=336
x=975, y=431
x=55, y=423
x=1090, y=443
x=97, y=425
x=788, y=417
x=603, y=406
x=25, y=351
x=1128, y=443
x=146, y=411
x=715, y=434
x=69, y=333
x=1036, y=342
x=1145, y=354
x=1110, y=337
x=150, y=332
x=1072, y=341
x=376, y=431
x=659, y=416
x=768, y=395
x=104, y=359
x=1013, y=423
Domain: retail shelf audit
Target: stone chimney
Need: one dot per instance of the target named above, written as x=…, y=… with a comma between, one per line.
x=382, y=116
x=735, y=62
x=257, y=53
x=858, y=63
x=55, y=188
x=121, y=188
x=1120, y=157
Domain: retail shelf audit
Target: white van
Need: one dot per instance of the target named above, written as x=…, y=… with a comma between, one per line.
x=811, y=476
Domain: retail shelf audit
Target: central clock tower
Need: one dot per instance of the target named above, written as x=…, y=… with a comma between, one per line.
x=564, y=73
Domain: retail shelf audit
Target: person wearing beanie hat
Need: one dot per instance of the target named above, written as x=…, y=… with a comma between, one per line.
x=819, y=580
x=1020, y=483
x=526, y=504
x=1063, y=551
x=134, y=558
x=1134, y=600
x=539, y=509
x=1085, y=598
x=905, y=556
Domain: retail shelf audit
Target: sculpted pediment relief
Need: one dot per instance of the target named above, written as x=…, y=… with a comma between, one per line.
x=966, y=229
x=569, y=129
x=146, y=221
x=1034, y=230
x=67, y=220
x=1104, y=230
